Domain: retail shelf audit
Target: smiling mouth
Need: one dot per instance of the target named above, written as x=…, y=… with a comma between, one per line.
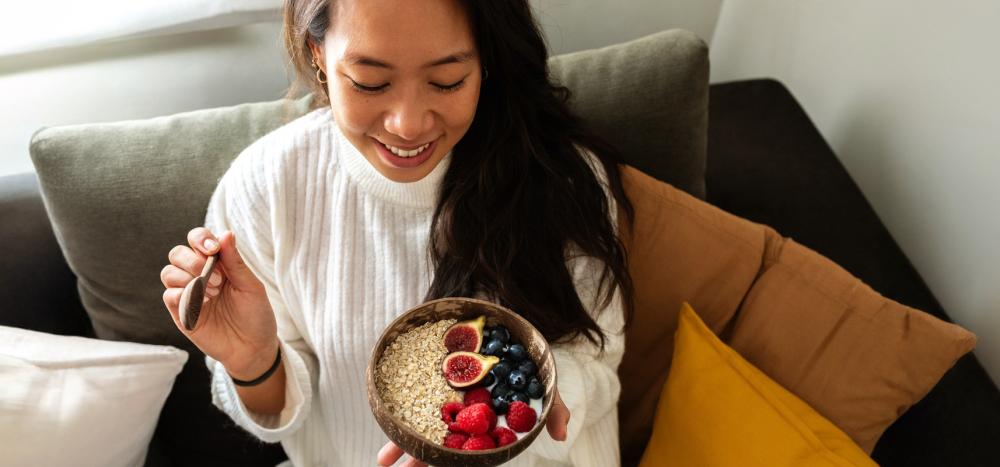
x=406, y=153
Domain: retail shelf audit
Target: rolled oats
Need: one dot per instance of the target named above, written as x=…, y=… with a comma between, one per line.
x=410, y=382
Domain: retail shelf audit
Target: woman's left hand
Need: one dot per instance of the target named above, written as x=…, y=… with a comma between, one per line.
x=557, y=424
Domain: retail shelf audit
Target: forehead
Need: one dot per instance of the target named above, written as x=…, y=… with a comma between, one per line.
x=402, y=32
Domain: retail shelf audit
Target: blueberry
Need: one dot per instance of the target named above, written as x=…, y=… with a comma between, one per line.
x=517, y=396
x=500, y=405
x=487, y=380
x=487, y=333
x=517, y=380
x=535, y=389
x=527, y=367
x=502, y=370
x=502, y=334
x=500, y=390
x=492, y=347
x=517, y=352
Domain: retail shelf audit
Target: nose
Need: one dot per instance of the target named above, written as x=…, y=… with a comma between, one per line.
x=410, y=118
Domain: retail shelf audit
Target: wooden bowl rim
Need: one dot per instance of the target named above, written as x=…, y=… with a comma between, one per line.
x=547, y=350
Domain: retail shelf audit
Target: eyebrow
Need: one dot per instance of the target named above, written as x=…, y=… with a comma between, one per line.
x=357, y=59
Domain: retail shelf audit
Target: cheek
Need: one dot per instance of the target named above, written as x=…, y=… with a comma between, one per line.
x=354, y=112
x=461, y=111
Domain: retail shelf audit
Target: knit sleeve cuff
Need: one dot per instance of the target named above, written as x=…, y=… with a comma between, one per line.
x=573, y=391
x=270, y=428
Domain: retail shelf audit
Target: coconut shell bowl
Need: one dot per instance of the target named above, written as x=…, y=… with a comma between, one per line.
x=461, y=309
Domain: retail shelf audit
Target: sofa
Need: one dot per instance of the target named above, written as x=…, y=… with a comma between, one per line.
x=747, y=147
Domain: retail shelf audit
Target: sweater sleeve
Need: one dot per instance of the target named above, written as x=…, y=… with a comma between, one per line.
x=244, y=203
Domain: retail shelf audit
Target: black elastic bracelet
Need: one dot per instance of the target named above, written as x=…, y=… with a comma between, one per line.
x=263, y=377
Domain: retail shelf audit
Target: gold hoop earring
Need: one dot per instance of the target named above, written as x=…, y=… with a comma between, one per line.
x=312, y=61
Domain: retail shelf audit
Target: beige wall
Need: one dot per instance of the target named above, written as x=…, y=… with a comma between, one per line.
x=906, y=92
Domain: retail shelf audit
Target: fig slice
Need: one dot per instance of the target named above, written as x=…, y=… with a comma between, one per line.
x=466, y=336
x=463, y=369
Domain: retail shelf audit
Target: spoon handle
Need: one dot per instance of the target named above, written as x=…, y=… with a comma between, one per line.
x=209, y=266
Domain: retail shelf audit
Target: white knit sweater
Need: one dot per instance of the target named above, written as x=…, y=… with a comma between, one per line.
x=342, y=251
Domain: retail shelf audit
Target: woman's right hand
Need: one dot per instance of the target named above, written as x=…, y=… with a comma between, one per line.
x=236, y=326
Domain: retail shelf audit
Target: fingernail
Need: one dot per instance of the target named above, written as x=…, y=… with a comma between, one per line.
x=210, y=245
x=215, y=280
x=212, y=291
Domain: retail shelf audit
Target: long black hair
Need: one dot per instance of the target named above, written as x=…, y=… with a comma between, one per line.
x=519, y=193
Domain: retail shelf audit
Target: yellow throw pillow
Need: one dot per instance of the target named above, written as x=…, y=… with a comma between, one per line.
x=716, y=409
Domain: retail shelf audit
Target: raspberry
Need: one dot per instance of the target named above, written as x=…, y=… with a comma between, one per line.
x=455, y=440
x=475, y=419
x=503, y=436
x=449, y=410
x=478, y=443
x=521, y=417
x=476, y=396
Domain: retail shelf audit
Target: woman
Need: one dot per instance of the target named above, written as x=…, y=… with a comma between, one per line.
x=439, y=161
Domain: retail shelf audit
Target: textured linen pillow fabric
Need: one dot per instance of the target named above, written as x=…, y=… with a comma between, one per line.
x=75, y=401
x=718, y=410
x=679, y=249
x=855, y=356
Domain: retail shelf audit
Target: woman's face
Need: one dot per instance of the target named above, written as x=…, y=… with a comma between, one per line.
x=404, y=79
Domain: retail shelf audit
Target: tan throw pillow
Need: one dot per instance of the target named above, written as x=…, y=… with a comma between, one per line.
x=857, y=357
x=680, y=250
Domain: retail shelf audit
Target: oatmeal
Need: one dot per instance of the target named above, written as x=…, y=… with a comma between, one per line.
x=409, y=379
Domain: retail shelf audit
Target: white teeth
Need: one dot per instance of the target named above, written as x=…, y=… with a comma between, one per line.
x=404, y=153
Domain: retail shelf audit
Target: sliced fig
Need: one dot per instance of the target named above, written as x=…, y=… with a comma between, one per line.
x=463, y=369
x=466, y=336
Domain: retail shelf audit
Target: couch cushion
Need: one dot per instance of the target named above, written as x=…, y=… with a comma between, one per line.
x=680, y=250
x=38, y=291
x=77, y=401
x=791, y=312
x=718, y=410
x=655, y=113
x=857, y=357
x=120, y=195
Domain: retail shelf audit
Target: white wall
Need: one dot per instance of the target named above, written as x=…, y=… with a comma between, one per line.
x=572, y=25
x=149, y=76
x=136, y=78
x=906, y=92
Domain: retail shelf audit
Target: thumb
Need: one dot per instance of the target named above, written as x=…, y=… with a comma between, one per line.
x=558, y=422
x=237, y=272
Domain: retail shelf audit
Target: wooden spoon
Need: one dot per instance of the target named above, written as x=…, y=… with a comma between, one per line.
x=194, y=295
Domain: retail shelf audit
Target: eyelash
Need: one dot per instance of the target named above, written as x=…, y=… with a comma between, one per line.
x=445, y=88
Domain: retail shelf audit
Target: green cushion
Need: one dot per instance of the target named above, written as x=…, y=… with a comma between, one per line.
x=121, y=195
x=648, y=98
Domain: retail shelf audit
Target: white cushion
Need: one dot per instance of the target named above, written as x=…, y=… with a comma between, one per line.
x=74, y=401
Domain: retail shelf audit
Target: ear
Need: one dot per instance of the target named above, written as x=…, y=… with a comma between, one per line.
x=317, y=54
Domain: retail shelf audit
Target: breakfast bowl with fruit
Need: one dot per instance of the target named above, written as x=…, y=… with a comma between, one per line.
x=461, y=382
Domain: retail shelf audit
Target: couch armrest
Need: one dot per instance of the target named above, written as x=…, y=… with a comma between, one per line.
x=37, y=288
x=768, y=163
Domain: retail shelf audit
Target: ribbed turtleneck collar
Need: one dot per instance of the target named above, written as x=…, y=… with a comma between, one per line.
x=422, y=193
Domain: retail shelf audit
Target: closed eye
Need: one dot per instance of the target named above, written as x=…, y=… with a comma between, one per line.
x=450, y=87
x=368, y=89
